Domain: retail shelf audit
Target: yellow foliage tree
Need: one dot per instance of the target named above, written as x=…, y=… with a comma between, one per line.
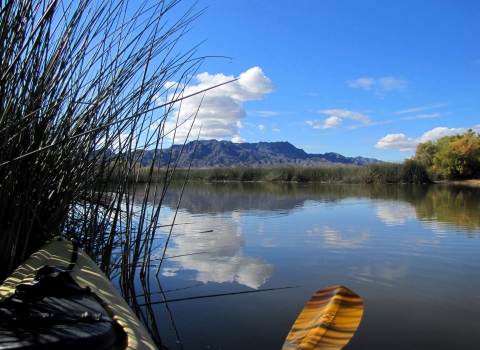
x=452, y=157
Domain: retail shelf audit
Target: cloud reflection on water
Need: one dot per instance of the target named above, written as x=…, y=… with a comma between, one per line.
x=394, y=213
x=381, y=272
x=335, y=238
x=215, y=256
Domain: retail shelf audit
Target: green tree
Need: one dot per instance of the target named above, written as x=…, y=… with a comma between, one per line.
x=458, y=157
x=451, y=157
x=425, y=153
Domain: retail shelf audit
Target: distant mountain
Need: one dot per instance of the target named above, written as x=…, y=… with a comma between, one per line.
x=224, y=154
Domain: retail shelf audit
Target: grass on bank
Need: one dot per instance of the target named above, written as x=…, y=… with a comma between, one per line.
x=407, y=172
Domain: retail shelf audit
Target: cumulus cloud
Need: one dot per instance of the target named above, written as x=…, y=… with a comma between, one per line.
x=397, y=141
x=261, y=127
x=328, y=123
x=221, y=109
x=238, y=139
x=404, y=143
x=379, y=85
x=345, y=113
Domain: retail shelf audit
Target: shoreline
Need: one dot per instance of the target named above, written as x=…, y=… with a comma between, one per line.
x=470, y=182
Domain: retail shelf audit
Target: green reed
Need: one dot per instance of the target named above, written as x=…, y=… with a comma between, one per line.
x=407, y=172
x=79, y=85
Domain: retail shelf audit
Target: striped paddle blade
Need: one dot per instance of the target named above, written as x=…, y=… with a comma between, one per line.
x=328, y=321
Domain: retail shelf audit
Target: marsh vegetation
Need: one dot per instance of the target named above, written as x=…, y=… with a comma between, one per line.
x=79, y=83
x=407, y=172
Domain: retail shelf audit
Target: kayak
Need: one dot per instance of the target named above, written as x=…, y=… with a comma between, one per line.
x=59, y=298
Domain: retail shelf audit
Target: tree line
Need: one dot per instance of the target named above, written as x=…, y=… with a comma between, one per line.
x=451, y=157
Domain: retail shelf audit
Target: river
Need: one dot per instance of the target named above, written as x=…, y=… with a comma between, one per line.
x=412, y=252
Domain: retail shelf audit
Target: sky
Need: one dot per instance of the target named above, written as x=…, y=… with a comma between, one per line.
x=370, y=78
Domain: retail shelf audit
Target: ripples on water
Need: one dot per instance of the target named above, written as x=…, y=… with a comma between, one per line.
x=411, y=252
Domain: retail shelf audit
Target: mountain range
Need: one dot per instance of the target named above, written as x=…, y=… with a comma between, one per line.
x=224, y=154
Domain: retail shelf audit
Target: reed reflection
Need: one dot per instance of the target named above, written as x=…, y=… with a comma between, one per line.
x=455, y=206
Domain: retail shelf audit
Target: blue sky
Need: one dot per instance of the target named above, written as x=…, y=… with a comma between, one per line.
x=361, y=78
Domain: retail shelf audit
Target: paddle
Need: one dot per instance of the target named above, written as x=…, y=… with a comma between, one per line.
x=328, y=321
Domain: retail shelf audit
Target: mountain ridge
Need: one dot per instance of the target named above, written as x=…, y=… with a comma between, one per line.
x=225, y=154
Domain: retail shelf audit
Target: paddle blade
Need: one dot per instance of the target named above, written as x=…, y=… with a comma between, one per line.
x=328, y=321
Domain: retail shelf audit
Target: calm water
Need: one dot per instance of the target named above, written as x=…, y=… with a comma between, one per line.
x=411, y=252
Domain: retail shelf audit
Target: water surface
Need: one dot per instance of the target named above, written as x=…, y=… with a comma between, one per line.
x=411, y=252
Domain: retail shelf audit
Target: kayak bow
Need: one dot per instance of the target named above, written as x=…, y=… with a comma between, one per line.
x=52, y=322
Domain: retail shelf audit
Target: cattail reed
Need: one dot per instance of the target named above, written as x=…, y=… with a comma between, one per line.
x=80, y=85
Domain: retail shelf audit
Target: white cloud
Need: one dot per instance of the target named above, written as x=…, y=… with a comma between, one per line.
x=222, y=108
x=440, y=132
x=364, y=83
x=119, y=142
x=263, y=113
x=332, y=122
x=328, y=123
x=345, y=113
x=404, y=143
x=421, y=108
x=423, y=116
x=380, y=85
x=268, y=114
x=276, y=130
x=238, y=139
x=389, y=84
x=261, y=127
x=397, y=141
x=239, y=124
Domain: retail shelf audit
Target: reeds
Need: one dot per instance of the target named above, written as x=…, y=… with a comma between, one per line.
x=80, y=83
x=407, y=172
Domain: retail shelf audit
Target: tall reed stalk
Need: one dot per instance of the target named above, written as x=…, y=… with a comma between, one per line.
x=80, y=83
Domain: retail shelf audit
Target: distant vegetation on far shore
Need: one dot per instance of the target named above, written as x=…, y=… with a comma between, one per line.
x=450, y=158
x=408, y=172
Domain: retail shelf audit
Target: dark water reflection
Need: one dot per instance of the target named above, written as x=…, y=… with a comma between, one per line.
x=453, y=205
x=411, y=252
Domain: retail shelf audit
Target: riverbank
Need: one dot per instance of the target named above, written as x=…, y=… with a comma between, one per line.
x=470, y=182
x=407, y=172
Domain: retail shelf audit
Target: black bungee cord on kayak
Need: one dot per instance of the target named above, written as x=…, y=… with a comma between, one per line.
x=52, y=281
x=54, y=301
